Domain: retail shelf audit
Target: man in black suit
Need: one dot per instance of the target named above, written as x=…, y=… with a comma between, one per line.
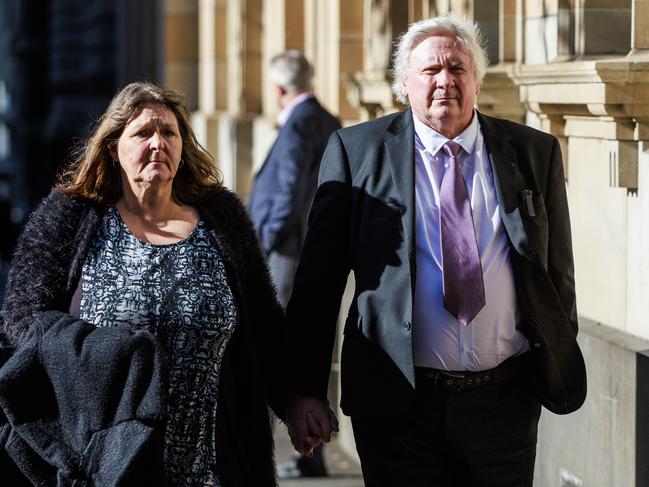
x=463, y=321
x=284, y=187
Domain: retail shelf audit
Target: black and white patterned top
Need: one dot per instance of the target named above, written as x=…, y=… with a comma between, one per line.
x=180, y=293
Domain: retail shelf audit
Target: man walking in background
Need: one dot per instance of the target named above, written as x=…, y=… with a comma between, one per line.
x=463, y=321
x=284, y=186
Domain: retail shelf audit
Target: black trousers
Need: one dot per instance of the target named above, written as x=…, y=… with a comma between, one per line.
x=481, y=437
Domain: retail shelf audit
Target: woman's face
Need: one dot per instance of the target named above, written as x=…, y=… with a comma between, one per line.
x=150, y=147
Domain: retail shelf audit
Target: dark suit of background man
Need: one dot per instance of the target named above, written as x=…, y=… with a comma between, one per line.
x=284, y=186
x=463, y=321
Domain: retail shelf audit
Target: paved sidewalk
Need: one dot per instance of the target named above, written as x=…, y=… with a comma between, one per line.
x=343, y=472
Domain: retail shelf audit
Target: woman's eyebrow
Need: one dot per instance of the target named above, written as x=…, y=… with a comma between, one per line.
x=153, y=122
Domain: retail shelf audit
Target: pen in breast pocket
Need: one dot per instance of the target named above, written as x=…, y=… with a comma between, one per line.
x=529, y=203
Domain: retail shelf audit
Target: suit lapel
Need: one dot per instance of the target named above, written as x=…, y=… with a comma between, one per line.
x=400, y=153
x=509, y=183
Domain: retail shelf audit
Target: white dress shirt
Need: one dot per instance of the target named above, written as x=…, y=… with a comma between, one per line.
x=439, y=340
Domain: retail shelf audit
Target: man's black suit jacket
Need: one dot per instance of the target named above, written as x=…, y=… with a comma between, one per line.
x=285, y=184
x=363, y=219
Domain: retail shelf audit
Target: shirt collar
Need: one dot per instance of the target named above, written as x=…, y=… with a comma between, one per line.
x=286, y=112
x=433, y=140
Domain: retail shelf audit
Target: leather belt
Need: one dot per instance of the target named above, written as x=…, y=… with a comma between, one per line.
x=453, y=381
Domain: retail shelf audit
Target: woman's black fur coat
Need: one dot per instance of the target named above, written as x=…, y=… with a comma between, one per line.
x=45, y=273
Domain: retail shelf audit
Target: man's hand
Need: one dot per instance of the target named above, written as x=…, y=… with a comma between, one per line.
x=309, y=421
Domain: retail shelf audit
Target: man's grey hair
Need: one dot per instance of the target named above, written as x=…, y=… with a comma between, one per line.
x=292, y=71
x=466, y=32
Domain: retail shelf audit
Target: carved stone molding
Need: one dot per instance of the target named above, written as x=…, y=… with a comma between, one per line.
x=617, y=88
x=371, y=92
x=499, y=95
x=604, y=99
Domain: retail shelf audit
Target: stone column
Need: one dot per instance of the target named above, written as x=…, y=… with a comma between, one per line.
x=181, y=49
x=421, y=9
x=499, y=96
x=229, y=89
x=540, y=31
x=287, y=20
x=284, y=29
x=566, y=38
x=333, y=41
x=640, y=25
x=244, y=100
x=244, y=22
x=384, y=21
x=212, y=63
x=560, y=30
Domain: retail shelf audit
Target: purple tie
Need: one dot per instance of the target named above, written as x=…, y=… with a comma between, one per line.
x=463, y=287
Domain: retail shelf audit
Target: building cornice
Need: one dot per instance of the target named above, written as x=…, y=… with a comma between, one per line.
x=617, y=87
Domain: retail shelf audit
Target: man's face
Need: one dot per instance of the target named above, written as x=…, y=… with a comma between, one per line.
x=441, y=85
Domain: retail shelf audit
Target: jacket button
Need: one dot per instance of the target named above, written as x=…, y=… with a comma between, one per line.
x=537, y=345
x=407, y=325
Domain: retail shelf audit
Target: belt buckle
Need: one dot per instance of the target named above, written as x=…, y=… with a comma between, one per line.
x=455, y=382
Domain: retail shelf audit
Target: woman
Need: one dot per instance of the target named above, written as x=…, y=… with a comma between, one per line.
x=141, y=232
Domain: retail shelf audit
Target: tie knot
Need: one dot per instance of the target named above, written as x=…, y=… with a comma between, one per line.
x=452, y=149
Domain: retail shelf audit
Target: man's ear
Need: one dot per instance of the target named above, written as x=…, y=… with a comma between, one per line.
x=404, y=88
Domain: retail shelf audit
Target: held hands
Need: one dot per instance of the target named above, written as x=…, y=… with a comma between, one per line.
x=309, y=421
